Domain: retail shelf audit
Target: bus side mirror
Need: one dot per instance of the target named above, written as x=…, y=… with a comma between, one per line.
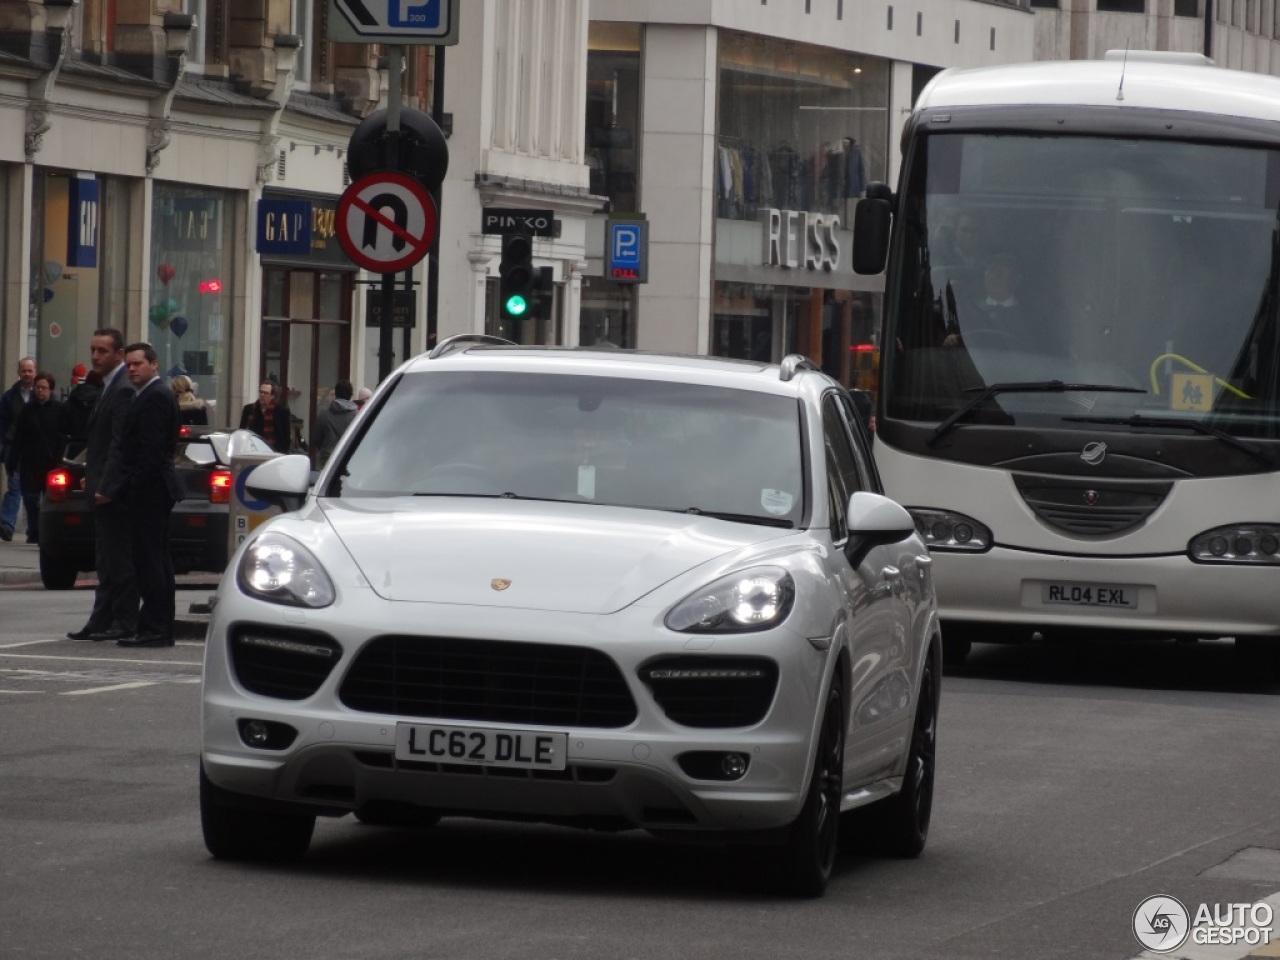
x=871, y=219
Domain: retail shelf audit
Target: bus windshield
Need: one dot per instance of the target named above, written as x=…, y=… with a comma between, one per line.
x=1144, y=265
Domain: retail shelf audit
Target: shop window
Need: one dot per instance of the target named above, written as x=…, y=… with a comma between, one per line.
x=190, y=308
x=606, y=314
x=1122, y=6
x=78, y=281
x=613, y=113
x=800, y=127
x=1186, y=8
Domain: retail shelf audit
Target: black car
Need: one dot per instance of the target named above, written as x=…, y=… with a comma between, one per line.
x=197, y=526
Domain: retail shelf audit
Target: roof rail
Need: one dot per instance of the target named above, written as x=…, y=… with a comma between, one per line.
x=794, y=362
x=450, y=343
x=1160, y=56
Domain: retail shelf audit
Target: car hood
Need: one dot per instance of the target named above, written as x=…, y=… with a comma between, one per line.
x=564, y=557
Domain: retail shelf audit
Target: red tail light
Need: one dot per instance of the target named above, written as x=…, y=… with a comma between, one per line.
x=220, y=486
x=184, y=431
x=57, y=484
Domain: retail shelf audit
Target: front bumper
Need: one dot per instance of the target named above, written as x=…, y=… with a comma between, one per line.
x=1173, y=594
x=343, y=759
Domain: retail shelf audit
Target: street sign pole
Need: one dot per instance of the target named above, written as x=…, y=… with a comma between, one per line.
x=386, y=348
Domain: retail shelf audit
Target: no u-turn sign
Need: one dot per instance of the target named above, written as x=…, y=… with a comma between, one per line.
x=386, y=222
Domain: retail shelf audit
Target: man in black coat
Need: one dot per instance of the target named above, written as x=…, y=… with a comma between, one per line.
x=115, y=600
x=151, y=429
x=268, y=418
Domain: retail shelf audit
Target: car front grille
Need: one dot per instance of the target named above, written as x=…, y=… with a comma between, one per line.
x=288, y=665
x=1099, y=507
x=494, y=681
x=712, y=692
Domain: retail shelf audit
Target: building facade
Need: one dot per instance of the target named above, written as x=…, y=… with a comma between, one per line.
x=161, y=160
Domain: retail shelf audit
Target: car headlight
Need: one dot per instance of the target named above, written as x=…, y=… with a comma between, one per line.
x=948, y=530
x=755, y=599
x=1240, y=543
x=278, y=569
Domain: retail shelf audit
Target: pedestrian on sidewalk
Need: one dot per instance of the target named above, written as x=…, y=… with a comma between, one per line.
x=151, y=429
x=268, y=417
x=195, y=412
x=332, y=422
x=40, y=441
x=115, y=600
x=12, y=402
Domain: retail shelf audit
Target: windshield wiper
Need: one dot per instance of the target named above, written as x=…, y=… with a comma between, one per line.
x=1262, y=456
x=1035, y=386
x=739, y=517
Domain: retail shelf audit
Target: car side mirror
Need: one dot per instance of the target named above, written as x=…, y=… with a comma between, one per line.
x=283, y=481
x=874, y=521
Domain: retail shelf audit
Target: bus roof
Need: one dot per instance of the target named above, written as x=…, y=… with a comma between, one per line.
x=1148, y=84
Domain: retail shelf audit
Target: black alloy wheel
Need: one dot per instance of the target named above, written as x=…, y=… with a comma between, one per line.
x=809, y=854
x=898, y=826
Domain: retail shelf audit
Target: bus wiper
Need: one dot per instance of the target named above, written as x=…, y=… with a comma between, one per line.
x=1262, y=456
x=1035, y=386
x=739, y=517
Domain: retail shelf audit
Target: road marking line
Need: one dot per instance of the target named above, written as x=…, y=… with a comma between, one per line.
x=150, y=663
x=23, y=643
x=21, y=691
x=114, y=686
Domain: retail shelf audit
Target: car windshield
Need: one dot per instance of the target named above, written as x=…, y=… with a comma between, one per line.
x=608, y=440
x=1128, y=263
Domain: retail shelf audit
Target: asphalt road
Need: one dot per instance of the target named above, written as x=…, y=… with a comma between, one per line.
x=1074, y=781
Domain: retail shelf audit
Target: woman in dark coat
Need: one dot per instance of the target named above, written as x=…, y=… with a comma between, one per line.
x=40, y=439
x=268, y=418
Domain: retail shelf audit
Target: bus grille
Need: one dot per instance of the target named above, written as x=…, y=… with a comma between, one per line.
x=494, y=681
x=1091, y=508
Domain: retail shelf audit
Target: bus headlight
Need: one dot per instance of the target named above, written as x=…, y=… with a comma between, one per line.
x=947, y=530
x=1241, y=543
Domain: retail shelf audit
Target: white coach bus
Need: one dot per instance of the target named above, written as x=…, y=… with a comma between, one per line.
x=1080, y=383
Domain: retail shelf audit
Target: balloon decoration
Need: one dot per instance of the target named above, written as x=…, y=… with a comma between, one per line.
x=178, y=325
x=161, y=316
x=166, y=272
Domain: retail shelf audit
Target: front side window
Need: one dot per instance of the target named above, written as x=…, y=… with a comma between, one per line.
x=584, y=439
x=1144, y=267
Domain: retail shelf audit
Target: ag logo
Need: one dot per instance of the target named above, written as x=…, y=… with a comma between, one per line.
x=1161, y=924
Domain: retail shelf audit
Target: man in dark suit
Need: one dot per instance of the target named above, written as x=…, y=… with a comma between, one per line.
x=151, y=429
x=115, y=600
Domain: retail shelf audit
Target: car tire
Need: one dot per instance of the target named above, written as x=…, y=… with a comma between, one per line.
x=236, y=832
x=898, y=826
x=1258, y=657
x=805, y=861
x=57, y=574
x=955, y=647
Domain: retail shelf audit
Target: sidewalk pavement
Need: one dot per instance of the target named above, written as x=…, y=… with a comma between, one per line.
x=20, y=566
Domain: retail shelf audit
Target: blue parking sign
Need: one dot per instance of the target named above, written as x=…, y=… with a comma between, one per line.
x=627, y=251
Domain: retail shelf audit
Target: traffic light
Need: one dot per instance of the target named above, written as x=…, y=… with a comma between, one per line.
x=544, y=291
x=515, y=272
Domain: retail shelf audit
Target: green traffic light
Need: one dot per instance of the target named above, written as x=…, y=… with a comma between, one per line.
x=517, y=306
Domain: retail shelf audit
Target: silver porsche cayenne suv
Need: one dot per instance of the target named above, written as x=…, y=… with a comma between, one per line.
x=599, y=588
